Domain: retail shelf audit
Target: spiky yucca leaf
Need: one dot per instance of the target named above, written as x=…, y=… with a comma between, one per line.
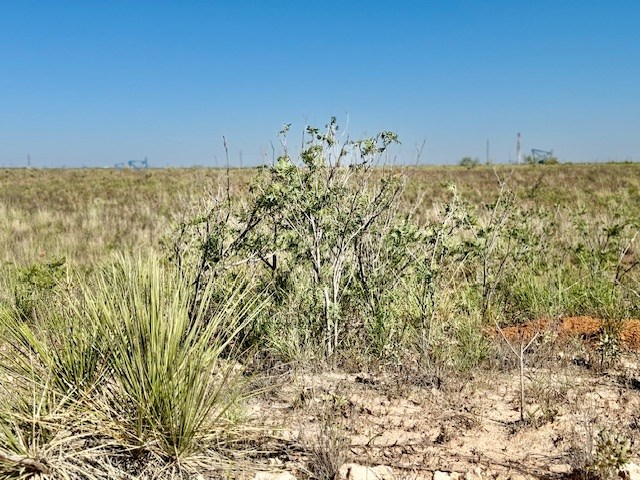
x=44, y=434
x=171, y=387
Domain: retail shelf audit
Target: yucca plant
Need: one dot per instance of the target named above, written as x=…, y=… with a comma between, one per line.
x=44, y=434
x=64, y=346
x=169, y=388
x=141, y=372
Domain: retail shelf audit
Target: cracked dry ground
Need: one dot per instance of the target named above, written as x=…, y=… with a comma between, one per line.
x=469, y=425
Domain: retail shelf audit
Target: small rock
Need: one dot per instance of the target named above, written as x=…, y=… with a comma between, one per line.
x=455, y=469
x=384, y=472
x=274, y=476
x=517, y=476
x=420, y=475
x=440, y=475
x=632, y=471
x=475, y=474
x=353, y=471
x=560, y=468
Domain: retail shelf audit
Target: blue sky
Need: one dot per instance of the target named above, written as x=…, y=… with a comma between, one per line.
x=100, y=82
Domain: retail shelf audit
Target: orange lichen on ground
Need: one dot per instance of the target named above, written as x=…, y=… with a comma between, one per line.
x=584, y=327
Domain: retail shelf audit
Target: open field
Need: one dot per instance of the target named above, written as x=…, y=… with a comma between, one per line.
x=137, y=207
x=190, y=324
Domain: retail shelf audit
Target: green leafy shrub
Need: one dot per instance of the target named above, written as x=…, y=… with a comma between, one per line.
x=313, y=228
x=612, y=452
x=35, y=285
x=469, y=162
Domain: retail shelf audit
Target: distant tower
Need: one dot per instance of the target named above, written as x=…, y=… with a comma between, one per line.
x=518, y=150
x=487, y=157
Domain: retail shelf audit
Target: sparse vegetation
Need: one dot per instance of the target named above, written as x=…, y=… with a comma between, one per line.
x=130, y=300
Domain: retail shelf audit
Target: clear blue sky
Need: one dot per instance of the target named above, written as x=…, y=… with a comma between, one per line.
x=99, y=82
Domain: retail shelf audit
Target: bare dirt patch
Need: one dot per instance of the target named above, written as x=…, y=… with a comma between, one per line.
x=470, y=427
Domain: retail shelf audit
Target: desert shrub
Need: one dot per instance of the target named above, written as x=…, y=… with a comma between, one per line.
x=330, y=215
x=503, y=241
x=35, y=285
x=347, y=265
x=469, y=162
x=320, y=229
x=531, y=261
x=599, y=457
x=603, y=256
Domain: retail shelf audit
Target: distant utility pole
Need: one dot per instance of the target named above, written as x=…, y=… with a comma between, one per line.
x=240, y=158
x=29, y=161
x=518, y=150
x=487, y=162
x=419, y=151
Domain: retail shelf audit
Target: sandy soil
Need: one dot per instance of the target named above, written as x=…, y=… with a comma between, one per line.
x=469, y=425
